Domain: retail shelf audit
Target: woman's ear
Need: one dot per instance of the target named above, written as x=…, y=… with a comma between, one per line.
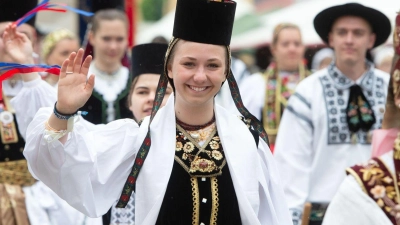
x=169, y=70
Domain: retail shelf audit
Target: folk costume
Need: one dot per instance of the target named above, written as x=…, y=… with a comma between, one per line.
x=274, y=88
x=327, y=124
x=370, y=193
x=14, y=174
x=24, y=200
x=177, y=175
x=109, y=97
x=146, y=59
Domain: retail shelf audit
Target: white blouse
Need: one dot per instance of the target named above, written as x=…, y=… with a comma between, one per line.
x=91, y=168
x=44, y=207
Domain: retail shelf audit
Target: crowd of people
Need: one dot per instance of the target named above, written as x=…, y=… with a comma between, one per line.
x=180, y=132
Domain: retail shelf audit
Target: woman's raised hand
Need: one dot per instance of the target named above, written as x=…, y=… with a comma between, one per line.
x=74, y=88
x=17, y=45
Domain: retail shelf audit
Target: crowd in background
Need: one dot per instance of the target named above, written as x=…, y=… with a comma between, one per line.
x=298, y=97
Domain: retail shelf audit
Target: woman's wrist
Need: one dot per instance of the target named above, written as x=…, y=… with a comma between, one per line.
x=64, y=111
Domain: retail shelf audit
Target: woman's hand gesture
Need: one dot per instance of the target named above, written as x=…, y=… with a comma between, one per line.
x=17, y=45
x=74, y=88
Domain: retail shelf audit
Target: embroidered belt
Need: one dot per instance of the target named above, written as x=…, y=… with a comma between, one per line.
x=16, y=173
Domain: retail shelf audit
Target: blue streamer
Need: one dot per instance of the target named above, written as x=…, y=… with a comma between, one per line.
x=4, y=66
x=48, y=6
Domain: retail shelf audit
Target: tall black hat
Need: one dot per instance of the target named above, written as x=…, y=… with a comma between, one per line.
x=204, y=21
x=379, y=23
x=12, y=10
x=148, y=58
x=107, y=4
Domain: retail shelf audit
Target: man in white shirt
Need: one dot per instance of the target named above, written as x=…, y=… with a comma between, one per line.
x=328, y=122
x=370, y=195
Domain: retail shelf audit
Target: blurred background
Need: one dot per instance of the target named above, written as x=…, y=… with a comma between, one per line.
x=252, y=33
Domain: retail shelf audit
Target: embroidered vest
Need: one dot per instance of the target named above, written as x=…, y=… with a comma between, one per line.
x=96, y=106
x=13, y=166
x=276, y=96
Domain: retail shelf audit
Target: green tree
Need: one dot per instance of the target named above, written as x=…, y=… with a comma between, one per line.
x=152, y=10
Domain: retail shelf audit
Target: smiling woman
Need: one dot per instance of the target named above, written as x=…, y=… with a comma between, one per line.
x=198, y=163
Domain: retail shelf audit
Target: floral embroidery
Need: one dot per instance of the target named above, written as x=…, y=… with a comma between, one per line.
x=214, y=145
x=199, y=161
x=335, y=87
x=217, y=155
x=378, y=191
x=179, y=146
x=188, y=148
x=279, y=89
x=377, y=182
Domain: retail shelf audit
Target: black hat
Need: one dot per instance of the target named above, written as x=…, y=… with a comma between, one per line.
x=148, y=58
x=12, y=10
x=107, y=4
x=204, y=21
x=380, y=24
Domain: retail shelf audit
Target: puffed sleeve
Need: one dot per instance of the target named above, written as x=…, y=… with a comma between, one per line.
x=90, y=169
x=34, y=95
x=294, y=150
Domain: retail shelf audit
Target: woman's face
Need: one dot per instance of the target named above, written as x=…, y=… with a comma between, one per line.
x=198, y=71
x=61, y=51
x=288, y=51
x=109, y=41
x=143, y=94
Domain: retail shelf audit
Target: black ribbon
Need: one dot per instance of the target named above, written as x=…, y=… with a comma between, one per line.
x=359, y=113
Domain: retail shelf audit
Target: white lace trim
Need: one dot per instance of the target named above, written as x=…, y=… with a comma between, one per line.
x=110, y=87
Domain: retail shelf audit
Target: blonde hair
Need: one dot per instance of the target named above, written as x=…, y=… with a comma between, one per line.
x=52, y=39
x=278, y=28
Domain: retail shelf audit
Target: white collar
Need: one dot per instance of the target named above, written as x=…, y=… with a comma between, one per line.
x=110, y=88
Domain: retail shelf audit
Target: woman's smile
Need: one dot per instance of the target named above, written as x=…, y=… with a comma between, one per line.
x=198, y=89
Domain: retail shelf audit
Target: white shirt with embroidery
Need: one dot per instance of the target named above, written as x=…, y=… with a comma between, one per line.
x=314, y=146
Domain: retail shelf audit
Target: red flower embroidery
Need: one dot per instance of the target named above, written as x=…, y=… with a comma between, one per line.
x=125, y=198
x=131, y=179
x=139, y=161
x=147, y=141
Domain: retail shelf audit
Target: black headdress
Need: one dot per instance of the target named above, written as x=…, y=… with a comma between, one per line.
x=148, y=58
x=107, y=4
x=12, y=10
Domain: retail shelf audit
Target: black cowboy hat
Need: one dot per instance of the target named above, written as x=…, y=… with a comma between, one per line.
x=379, y=23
